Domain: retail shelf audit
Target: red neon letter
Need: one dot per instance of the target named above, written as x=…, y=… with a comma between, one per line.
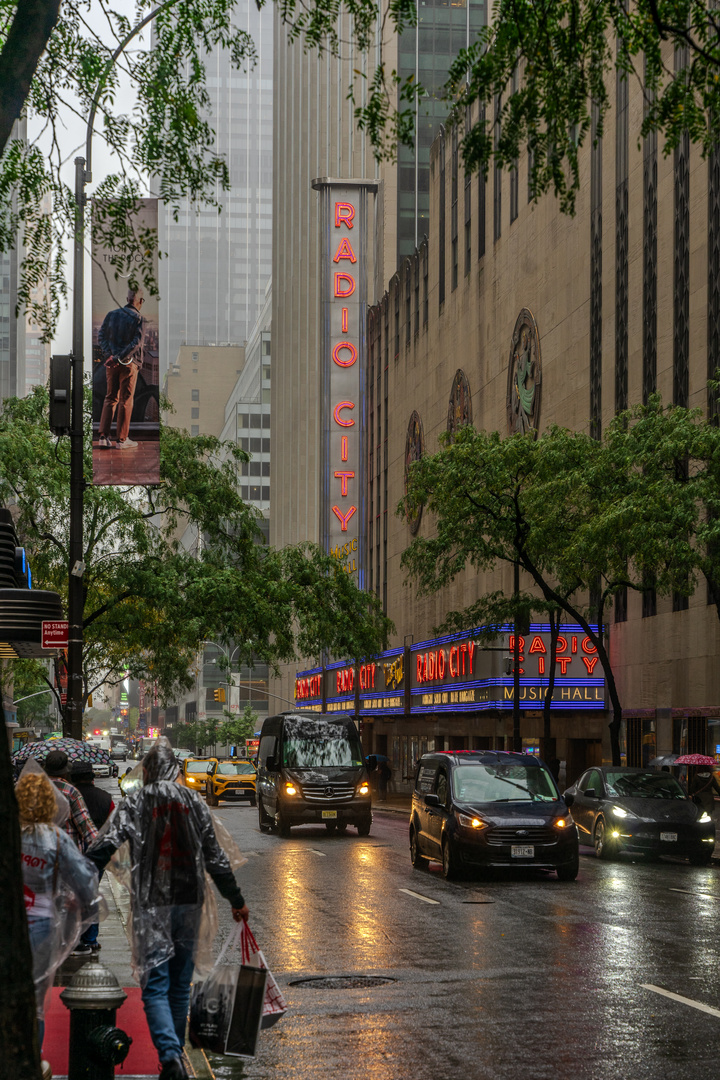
x=453, y=660
x=537, y=645
x=338, y=409
x=343, y=477
x=563, y=661
x=344, y=320
x=344, y=518
x=336, y=354
x=441, y=664
x=561, y=645
x=541, y=665
x=345, y=251
x=471, y=653
x=344, y=214
x=344, y=285
x=344, y=448
x=587, y=646
x=590, y=663
x=573, y=641
x=463, y=653
x=419, y=667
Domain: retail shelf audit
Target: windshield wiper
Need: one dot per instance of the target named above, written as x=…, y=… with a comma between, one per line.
x=518, y=786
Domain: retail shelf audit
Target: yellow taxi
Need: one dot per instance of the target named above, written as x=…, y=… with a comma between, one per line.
x=195, y=772
x=232, y=779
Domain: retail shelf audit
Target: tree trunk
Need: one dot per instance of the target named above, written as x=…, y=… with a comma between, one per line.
x=547, y=704
x=18, y=1025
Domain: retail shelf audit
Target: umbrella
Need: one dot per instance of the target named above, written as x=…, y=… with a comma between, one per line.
x=664, y=759
x=695, y=759
x=75, y=750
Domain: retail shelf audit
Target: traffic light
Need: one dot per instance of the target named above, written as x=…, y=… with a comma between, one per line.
x=219, y=694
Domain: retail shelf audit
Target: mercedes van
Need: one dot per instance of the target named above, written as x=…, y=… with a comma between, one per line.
x=311, y=770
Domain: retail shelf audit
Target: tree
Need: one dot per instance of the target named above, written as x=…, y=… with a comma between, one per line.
x=237, y=729
x=148, y=600
x=580, y=517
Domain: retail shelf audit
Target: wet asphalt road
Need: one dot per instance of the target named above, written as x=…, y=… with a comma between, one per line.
x=519, y=976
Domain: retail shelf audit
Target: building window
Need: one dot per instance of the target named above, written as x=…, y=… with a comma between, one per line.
x=454, y=207
x=425, y=281
x=621, y=240
x=396, y=294
x=195, y=429
x=408, y=302
x=416, y=280
x=195, y=357
x=441, y=224
x=649, y=383
x=681, y=265
x=194, y=395
x=649, y=603
x=195, y=414
x=595, y=280
x=713, y=278
x=497, y=177
x=621, y=606
x=514, y=192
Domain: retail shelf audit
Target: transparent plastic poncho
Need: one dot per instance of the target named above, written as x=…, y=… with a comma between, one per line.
x=61, y=899
x=167, y=840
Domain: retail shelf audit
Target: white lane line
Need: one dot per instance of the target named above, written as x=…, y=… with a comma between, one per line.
x=683, y=1000
x=315, y=851
x=694, y=892
x=419, y=896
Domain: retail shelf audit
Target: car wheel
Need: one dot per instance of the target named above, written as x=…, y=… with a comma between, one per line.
x=363, y=827
x=604, y=848
x=419, y=861
x=253, y=800
x=263, y=820
x=569, y=871
x=281, y=823
x=449, y=860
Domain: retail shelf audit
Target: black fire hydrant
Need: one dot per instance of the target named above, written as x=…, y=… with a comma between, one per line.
x=96, y=1045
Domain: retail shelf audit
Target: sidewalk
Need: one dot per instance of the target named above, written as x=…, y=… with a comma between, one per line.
x=141, y=1062
x=394, y=804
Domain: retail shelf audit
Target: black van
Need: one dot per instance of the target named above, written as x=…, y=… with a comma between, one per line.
x=490, y=808
x=311, y=770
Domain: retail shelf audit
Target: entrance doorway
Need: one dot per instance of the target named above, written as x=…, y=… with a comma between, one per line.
x=582, y=754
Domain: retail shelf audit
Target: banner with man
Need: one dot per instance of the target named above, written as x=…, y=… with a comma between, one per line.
x=125, y=376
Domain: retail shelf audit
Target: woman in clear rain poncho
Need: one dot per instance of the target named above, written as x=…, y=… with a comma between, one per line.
x=60, y=884
x=172, y=843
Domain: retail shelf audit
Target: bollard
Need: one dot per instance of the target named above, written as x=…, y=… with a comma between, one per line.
x=96, y=1045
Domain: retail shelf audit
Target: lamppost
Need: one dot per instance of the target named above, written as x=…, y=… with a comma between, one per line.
x=76, y=566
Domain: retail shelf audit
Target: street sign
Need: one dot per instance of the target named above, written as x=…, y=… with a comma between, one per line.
x=55, y=634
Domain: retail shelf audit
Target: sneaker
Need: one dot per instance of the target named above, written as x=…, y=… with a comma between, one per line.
x=81, y=949
x=96, y=946
x=174, y=1069
x=126, y=444
x=104, y=443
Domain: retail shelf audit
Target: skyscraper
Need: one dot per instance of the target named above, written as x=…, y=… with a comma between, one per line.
x=212, y=283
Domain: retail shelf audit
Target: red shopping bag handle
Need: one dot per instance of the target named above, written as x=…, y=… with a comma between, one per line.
x=248, y=943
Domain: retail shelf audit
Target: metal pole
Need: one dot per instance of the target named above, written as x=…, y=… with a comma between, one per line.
x=72, y=725
x=517, y=741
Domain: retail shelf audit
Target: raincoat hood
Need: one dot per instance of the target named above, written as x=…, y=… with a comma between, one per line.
x=160, y=762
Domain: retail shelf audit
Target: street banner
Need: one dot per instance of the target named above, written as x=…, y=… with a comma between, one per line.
x=125, y=361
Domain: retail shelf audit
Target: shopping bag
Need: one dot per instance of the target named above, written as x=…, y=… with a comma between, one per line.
x=274, y=1005
x=226, y=1009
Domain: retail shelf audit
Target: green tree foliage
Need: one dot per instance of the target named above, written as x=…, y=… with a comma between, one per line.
x=582, y=518
x=237, y=729
x=147, y=600
x=29, y=679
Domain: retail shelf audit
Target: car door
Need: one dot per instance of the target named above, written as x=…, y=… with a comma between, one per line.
x=267, y=779
x=437, y=814
x=582, y=809
x=594, y=794
x=424, y=785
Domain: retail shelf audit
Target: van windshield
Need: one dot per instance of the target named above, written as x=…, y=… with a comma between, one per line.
x=504, y=782
x=313, y=744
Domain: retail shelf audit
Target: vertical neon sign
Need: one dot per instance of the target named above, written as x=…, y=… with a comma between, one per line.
x=343, y=217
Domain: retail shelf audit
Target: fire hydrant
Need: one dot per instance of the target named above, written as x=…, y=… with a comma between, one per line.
x=96, y=1045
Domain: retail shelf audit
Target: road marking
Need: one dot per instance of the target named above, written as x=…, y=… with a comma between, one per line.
x=419, y=896
x=694, y=892
x=683, y=1000
x=315, y=851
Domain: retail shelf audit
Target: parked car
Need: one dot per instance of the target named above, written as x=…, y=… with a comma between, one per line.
x=490, y=808
x=641, y=811
x=119, y=751
x=195, y=771
x=181, y=756
x=101, y=768
x=311, y=770
x=233, y=779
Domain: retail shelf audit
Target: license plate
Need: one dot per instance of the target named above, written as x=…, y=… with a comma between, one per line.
x=522, y=851
x=670, y=836
x=329, y=814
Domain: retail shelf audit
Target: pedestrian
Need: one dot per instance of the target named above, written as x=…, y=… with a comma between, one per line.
x=100, y=805
x=121, y=342
x=384, y=776
x=703, y=788
x=172, y=844
x=60, y=887
x=79, y=824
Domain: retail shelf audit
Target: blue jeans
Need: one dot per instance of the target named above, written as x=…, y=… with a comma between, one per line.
x=90, y=935
x=166, y=996
x=40, y=932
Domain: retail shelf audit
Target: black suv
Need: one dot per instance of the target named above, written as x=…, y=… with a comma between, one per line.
x=490, y=808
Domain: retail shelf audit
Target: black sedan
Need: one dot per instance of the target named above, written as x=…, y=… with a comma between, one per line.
x=639, y=811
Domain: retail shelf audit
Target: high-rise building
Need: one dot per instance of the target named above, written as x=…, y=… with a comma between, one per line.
x=212, y=282
x=37, y=351
x=12, y=328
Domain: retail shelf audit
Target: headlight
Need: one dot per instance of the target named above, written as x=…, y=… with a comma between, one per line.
x=704, y=818
x=561, y=822
x=471, y=822
x=619, y=812
x=290, y=789
x=363, y=789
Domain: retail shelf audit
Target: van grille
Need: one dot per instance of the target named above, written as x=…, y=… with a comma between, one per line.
x=327, y=792
x=529, y=834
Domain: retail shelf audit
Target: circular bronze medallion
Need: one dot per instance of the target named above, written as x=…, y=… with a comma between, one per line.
x=460, y=404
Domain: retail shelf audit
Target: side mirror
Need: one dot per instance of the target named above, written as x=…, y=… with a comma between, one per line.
x=591, y=793
x=432, y=800
x=271, y=764
x=569, y=799
x=371, y=763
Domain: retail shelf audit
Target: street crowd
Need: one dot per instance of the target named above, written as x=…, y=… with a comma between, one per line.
x=71, y=830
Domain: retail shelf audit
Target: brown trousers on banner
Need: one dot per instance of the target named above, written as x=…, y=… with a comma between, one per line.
x=121, y=382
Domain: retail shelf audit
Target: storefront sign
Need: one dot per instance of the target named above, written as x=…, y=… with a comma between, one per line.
x=343, y=216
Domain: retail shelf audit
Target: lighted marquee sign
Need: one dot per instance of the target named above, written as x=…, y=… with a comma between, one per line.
x=455, y=674
x=384, y=693
x=343, y=216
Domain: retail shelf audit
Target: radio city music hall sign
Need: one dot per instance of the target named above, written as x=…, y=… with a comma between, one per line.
x=343, y=216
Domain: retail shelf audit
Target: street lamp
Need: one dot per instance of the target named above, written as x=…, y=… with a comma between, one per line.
x=83, y=175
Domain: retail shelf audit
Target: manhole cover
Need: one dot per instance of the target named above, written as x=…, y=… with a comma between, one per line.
x=342, y=982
